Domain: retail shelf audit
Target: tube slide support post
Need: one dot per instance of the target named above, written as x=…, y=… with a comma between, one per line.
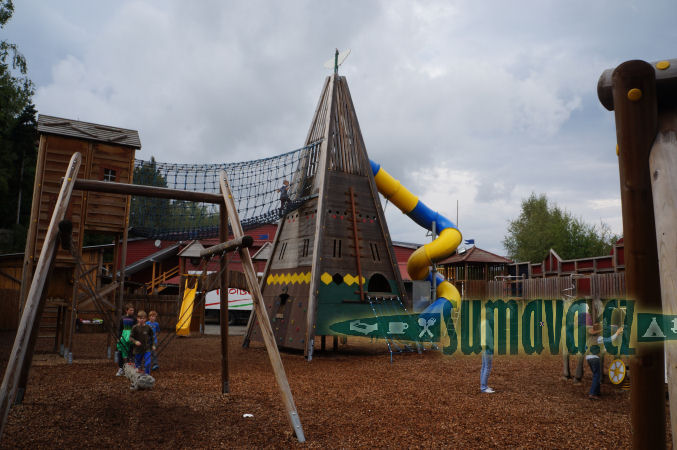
x=433, y=282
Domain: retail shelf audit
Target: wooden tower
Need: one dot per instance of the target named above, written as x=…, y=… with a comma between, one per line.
x=107, y=155
x=333, y=253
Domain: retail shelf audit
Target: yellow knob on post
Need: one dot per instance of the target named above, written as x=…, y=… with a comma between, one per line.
x=662, y=65
x=634, y=94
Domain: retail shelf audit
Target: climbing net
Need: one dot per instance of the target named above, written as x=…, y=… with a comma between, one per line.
x=255, y=186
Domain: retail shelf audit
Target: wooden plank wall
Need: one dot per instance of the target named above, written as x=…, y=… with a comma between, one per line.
x=10, y=285
x=168, y=308
x=606, y=286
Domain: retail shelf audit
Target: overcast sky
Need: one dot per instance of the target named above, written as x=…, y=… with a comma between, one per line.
x=480, y=102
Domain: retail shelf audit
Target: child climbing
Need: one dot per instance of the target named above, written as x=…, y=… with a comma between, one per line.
x=284, y=195
x=124, y=329
x=141, y=338
x=155, y=326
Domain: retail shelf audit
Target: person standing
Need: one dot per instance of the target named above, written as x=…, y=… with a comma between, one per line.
x=595, y=343
x=487, y=340
x=155, y=326
x=141, y=338
x=123, y=346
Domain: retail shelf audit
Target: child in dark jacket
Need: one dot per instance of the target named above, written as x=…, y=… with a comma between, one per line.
x=123, y=346
x=141, y=338
x=153, y=323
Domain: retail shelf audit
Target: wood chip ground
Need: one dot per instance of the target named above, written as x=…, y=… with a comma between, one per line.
x=354, y=398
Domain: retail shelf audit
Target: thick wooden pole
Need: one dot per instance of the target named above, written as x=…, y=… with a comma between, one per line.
x=663, y=169
x=634, y=95
x=261, y=313
x=229, y=246
x=29, y=319
x=223, y=302
x=111, y=187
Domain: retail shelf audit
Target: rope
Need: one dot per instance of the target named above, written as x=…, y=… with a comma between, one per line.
x=255, y=185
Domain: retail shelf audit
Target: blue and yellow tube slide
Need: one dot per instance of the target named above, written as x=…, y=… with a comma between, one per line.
x=418, y=265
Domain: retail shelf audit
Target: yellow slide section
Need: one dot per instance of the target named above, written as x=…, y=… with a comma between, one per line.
x=183, y=323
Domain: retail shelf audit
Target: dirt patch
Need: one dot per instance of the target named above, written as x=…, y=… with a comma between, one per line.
x=353, y=398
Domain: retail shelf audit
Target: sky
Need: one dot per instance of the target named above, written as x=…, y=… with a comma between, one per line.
x=469, y=103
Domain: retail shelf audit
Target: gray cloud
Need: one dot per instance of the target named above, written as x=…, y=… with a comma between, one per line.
x=481, y=102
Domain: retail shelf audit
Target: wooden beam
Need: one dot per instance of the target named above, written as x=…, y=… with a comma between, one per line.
x=261, y=313
x=663, y=170
x=29, y=319
x=321, y=183
x=100, y=294
x=229, y=246
x=223, y=300
x=636, y=127
x=17, y=281
x=110, y=187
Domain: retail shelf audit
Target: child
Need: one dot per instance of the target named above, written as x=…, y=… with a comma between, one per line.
x=155, y=326
x=142, y=339
x=284, y=195
x=487, y=341
x=595, y=342
x=124, y=349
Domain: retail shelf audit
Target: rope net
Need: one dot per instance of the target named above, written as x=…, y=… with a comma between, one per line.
x=255, y=184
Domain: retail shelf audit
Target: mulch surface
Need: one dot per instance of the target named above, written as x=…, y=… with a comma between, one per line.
x=354, y=398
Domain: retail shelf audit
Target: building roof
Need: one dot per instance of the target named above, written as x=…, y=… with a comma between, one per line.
x=192, y=250
x=475, y=255
x=88, y=131
x=161, y=255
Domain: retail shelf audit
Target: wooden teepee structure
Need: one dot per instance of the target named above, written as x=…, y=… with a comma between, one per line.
x=334, y=252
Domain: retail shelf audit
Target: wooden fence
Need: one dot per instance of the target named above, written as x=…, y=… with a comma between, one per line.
x=605, y=285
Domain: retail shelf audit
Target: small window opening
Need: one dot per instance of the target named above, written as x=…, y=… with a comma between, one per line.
x=109, y=175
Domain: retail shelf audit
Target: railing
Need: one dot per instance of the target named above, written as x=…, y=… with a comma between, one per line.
x=155, y=285
x=605, y=286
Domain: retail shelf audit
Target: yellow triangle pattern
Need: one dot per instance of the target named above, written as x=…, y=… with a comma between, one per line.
x=288, y=278
x=347, y=279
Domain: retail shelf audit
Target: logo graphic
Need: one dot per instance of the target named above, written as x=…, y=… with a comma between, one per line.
x=426, y=324
x=363, y=328
x=397, y=327
x=653, y=330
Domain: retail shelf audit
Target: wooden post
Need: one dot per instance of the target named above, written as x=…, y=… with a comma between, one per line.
x=634, y=95
x=223, y=302
x=266, y=271
x=320, y=176
x=261, y=313
x=20, y=349
x=663, y=170
x=123, y=256
x=28, y=264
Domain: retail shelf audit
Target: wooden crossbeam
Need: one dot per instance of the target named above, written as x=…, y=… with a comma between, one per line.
x=261, y=314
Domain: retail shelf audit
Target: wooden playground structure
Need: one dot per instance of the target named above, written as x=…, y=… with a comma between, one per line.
x=68, y=215
x=83, y=183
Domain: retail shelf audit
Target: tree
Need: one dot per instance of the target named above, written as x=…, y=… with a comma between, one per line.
x=148, y=213
x=541, y=227
x=18, y=135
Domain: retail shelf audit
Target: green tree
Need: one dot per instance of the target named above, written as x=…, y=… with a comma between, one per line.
x=148, y=213
x=18, y=136
x=541, y=227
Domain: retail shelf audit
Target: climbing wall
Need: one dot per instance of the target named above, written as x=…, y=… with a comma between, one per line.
x=335, y=251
